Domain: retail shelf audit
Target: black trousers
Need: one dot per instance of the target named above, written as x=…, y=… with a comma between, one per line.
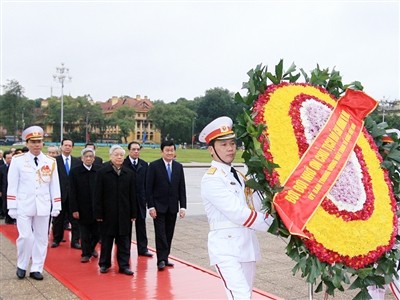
x=58, y=225
x=141, y=234
x=90, y=236
x=164, y=226
x=123, y=243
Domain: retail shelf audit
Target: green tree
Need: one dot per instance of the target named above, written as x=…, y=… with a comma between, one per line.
x=174, y=120
x=11, y=106
x=79, y=112
x=124, y=118
x=215, y=103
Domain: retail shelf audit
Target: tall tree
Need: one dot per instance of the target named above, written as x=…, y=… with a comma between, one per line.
x=215, y=103
x=124, y=118
x=174, y=120
x=79, y=112
x=11, y=106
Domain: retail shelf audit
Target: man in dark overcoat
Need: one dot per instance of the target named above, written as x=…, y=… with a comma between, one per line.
x=166, y=196
x=81, y=201
x=139, y=166
x=115, y=209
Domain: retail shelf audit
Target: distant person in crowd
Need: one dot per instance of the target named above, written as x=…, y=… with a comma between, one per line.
x=12, y=149
x=82, y=181
x=139, y=167
x=65, y=162
x=53, y=151
x=33, y=194
x=18, y=151
x=166, y=197
x=232, y=211
x=97, y=160
x=1, y=158
x=3, y=186
x=2, y=212
x=115, y=209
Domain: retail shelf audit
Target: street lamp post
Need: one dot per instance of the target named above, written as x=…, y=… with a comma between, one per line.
x=194, y=119
x=62, y=73
x=86, y=128
x=385, y=105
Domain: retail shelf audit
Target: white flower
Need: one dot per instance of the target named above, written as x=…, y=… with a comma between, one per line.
x=348, y=192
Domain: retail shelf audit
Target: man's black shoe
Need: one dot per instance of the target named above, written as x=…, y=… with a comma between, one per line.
x=161, y=265
x=103, y=270
x=36, y=275
x=20, y=273
x=55, y=245
x=126, y=272
x=76, y=246
x=169, y=264
x=147, y=254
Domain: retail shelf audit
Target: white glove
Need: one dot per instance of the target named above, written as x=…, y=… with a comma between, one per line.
x=269, y=219
x=12, y=213
x=55, y=213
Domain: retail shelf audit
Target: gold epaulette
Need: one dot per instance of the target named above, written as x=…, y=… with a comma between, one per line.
x=211, y=170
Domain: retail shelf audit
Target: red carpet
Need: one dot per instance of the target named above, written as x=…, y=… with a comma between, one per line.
x=184, y=281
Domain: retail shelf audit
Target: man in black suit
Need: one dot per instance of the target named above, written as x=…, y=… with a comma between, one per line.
x=4, y=185
x=65, y=162
x=2, y=212
x=139, y=166
x=166, y=196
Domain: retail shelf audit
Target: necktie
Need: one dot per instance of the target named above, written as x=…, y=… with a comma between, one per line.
x=169, y=172
x=36, y=161
x=134, y=164
x=235, y=175
x=67, y=165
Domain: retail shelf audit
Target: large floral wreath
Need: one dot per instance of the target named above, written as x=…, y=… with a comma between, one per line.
x=354, y=230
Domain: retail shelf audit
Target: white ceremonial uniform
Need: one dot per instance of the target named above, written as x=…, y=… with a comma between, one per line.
x=34, y=191
x=232, y=242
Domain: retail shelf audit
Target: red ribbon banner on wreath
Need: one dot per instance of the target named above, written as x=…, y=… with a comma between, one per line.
x=323, y=161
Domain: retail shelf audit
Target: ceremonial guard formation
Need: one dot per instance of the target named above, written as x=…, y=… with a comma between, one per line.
x=232, y=211
x=33, y=195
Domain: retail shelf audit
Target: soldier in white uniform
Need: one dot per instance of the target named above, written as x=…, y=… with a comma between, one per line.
x=33, y=195
x=232, y=212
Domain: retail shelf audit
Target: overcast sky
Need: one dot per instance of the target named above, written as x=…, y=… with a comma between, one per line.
x=171, y=49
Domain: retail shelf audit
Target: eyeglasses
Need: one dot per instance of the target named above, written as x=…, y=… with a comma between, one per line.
x=135, y=149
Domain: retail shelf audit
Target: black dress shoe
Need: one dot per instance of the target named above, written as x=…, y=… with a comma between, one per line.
x=36, y=275
x=126, y=272
x=147, y=253
x=103, y=270
x=169, y=264
x=20, y=273
x=55, y=245
x=161, y=265
x=76, y=246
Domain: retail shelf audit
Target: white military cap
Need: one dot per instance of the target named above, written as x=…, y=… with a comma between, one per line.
x=32, y=133
x=219, y=129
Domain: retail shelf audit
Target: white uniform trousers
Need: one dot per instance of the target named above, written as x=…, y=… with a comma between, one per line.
x=377, y=293
x=32, y=241
x=238, y=278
